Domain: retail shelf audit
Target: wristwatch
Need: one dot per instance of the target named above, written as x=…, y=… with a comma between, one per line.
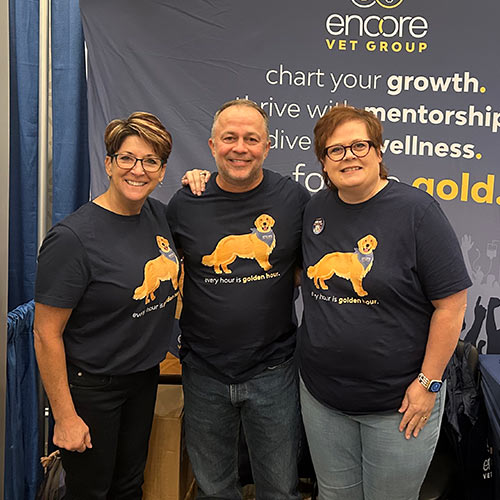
x=430, y=385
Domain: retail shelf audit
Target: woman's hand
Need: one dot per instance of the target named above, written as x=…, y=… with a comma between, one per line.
x=417, y=406
x=196, y=179
x=70, y=431
x=72, y=434
x=444, y=331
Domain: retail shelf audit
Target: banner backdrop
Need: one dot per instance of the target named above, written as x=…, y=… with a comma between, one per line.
x=427, y=69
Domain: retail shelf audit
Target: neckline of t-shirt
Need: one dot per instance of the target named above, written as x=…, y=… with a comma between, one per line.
x=363, y=204
x=244, y=194
x=121, y=217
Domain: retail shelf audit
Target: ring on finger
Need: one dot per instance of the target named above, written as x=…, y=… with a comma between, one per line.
x=425, y=418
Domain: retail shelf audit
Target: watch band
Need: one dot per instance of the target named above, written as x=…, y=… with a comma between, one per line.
x=427, y=383
x=424, y=380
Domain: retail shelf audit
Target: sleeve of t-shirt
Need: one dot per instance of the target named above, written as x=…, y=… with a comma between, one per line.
x=63, y=272
x=304, y=196
x=172, y=218
x=440, y=263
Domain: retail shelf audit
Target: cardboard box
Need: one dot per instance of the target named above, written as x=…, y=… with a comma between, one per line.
x=168, y=474
x=170, y=365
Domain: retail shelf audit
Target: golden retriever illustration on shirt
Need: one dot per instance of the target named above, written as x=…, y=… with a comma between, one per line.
x=162, y=268
x=258, y=245
x=353, y=266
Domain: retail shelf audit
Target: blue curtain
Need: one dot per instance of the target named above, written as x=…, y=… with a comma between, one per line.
x=71, y=171
x=23, y=36
x=22, y=469
x=71, y=175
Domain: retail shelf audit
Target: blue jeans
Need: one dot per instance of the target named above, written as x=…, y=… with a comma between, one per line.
x=365, y=457
x=267, y=408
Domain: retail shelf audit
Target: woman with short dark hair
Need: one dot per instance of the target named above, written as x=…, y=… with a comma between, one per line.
x=105, y=299
x=384, y=287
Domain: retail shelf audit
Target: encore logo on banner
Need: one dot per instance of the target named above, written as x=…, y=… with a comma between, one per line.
x=381, y=33
x=387, y=4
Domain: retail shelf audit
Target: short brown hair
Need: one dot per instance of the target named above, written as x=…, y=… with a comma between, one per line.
x=145, y=125
x=241, y=102
x=338, y=115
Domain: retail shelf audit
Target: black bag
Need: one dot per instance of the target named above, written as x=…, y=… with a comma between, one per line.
x=466, y=426
x=53, y=486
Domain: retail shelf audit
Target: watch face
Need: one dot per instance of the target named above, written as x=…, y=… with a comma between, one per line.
x=435, y=386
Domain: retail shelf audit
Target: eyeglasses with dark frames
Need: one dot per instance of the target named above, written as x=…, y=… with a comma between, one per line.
x=150, y=164
x=337, y=152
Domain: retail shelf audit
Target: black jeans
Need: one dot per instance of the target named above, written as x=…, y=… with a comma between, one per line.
x=119, y=413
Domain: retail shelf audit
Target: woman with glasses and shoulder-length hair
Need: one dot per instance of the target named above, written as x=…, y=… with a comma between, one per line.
x=105, y=295
x=384, y=289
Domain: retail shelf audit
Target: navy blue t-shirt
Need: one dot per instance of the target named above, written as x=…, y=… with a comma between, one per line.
x=240, y=251
x=119, y=274
x=371, y=271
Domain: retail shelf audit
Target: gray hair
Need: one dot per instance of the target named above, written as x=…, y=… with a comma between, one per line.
x=241, y=102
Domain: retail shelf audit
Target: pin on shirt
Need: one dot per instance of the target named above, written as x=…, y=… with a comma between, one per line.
x=318, y=225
